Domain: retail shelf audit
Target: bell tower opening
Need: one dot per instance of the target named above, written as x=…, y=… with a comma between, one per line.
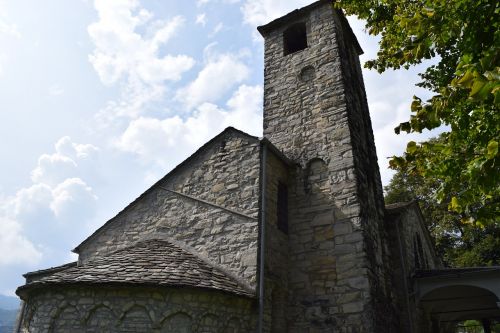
x=294, y=38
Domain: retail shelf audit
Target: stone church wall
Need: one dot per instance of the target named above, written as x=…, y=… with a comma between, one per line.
x=79, y=310
x=276, y=249
x=315, y=112
x=418, y=249
x=369, y=186
x=210, y=205
x=226, y=174
x=413, y=249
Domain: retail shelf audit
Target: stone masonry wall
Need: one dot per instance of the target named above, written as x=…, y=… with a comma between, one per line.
x=218, y=218
x=226, y=174
x=369, y=184
x=410, y=225
x=79, y=310
x=403, y=230
x=276, y=250
x=335, y=238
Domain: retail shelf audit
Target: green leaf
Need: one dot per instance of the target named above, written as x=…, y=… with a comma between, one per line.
x=454, y=204
x=492, y=149
x=466, y=79
x=476, y=87
x=411, y=147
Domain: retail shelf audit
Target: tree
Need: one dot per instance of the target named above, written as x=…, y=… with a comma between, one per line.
x=459, y=244
x=464, y=38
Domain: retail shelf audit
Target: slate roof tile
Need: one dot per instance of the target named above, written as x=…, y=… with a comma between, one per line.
x=151, y=262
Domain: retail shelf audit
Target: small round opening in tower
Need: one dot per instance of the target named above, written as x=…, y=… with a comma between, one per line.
x=307, y=74
x=294, y=38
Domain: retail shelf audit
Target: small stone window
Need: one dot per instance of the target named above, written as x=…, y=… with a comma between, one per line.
x=295, y=38
x=282, y=208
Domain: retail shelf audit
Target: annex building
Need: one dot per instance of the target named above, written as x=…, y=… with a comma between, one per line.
x=285, y=233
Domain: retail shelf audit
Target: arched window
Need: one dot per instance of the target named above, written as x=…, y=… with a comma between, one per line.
x=294, y=38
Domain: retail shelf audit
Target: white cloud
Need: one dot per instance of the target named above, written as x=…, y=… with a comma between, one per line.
x=65, y=146
x=15, y=248
x=53, y=169
x=220, y=74
x=123, y=54
x=55, y=203
x=31, y=204
x=258, y=12
x=73, y=199
x=167, y=141
x=216, y=29
x=201, y=19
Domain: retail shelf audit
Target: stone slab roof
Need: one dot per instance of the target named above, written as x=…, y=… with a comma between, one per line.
x=147, y=263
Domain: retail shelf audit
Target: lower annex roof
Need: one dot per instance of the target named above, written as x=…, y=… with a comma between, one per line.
x=147, y=263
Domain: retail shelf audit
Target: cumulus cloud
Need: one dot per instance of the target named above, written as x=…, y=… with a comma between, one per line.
x=220, y=73
x=167, y=141
x=55, y=203
x=73, y=198
x=15, y=248
x=123, y=54
x=54, y=168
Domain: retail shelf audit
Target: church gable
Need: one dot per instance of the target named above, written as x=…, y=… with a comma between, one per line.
x=405, y=221
x=208, y=203
x=225, y=172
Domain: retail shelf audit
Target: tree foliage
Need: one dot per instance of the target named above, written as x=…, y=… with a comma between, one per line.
x=463, y=37
x=459, y=244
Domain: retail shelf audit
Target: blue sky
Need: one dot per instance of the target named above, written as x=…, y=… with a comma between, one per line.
x=99, y=99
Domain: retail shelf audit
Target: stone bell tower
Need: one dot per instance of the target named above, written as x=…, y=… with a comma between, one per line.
x=316, y=113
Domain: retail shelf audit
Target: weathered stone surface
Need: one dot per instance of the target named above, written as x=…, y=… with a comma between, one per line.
x=217, y=232
x=315, y=112
x=152, y=310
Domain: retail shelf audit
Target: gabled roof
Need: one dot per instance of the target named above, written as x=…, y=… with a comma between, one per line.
x=157, y=263
x=178, y=168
